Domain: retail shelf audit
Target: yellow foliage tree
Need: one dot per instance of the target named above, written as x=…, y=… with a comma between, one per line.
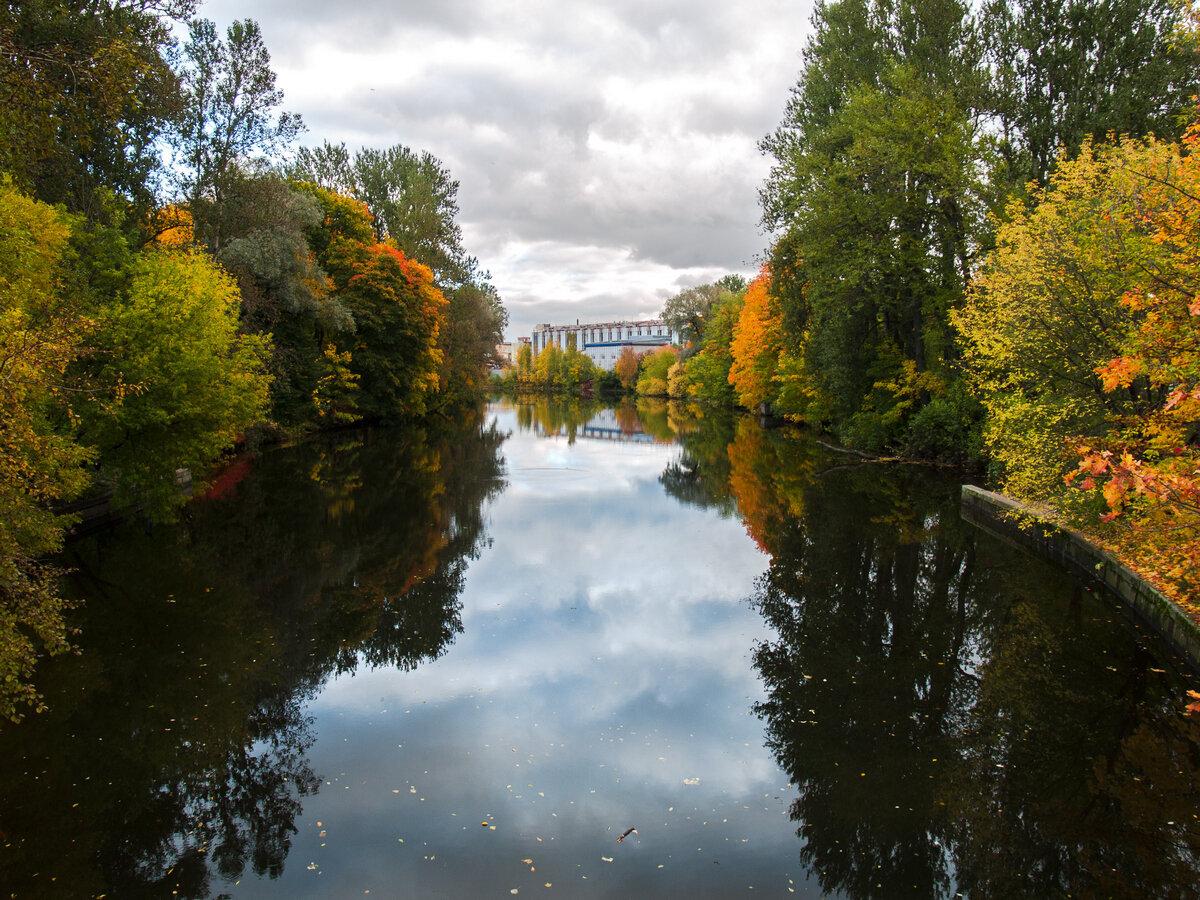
x=1083, y=337
x=40, y=335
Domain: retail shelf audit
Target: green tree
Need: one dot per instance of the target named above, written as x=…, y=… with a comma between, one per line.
x=474, y=325
x=688, y=312
x=284, y=290
x=708, y=371
x=328, y=166
x=186, y=382
x=414, y=201
x=1066, y=71
x=877, y=198
x=230, y=113
x=40, y=465
x=655, y=369
x=86, y=93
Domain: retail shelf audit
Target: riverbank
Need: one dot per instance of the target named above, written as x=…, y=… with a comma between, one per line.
x=1026, y=527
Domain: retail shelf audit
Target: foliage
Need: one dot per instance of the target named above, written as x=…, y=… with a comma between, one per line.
x=708, y=371
x=473, y=326
x=85, y=95
x=1064, y=72
x=877, y=197
x=397, y=311
x=555, y=370
x=688, y=312
x=285, y=292
x=755, y=346
x=677, y=380
x=412, y=197
x=40, y=465
x=1148, y=465
x=1044, y=313
x=230, y=104
x=336, y=393
x=654, y=370
x=186, y=382
x=626, y=367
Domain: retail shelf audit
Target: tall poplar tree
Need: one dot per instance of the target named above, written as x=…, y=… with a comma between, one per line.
x=877, y=201
x=230, y=114
x=1066, y=70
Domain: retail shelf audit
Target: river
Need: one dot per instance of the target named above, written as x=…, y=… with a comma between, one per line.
x=465, y=661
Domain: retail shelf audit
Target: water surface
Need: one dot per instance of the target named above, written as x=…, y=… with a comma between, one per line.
x=464, y=662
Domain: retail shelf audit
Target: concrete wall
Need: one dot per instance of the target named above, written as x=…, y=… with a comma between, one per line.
x=1017, y=524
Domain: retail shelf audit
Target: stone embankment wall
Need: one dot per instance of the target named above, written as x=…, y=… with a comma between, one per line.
x=1019, y=525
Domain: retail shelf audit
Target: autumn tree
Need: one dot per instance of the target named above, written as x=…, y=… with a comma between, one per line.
x=755, y=346
x=655, y=371
x=398, y=312
x=626, y=367
x=1147, y=467
x=181, y=381
x=1044, y=312
x=41, y=331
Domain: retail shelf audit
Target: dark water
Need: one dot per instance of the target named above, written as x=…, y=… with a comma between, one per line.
x=461, y=663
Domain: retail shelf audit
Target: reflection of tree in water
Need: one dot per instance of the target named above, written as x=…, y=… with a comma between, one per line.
x=176, y=745
x=952, y=719
x=556, y=415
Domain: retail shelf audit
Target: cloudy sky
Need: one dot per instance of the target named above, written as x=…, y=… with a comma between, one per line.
x=606, y=150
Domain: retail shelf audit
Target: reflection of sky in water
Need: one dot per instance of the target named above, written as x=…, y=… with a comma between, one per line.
x=602, y=681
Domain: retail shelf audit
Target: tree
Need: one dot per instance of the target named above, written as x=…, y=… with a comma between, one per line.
x=41, y=331
x=1066, y=71
x=285, y=292
x=655, y=370
x=414, y=201
x=184, y=383
x=708, y=371
x=877, y=198
x=328, y=166
x=689, y=311
x=626, y=367
x=756, y=346
x=86, y=93
x=474, y=325
x=1043, y=313
x=230, y=104
x=1148, y=467
x=398, y=312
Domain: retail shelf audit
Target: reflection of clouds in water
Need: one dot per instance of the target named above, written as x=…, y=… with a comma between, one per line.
x=603, y=680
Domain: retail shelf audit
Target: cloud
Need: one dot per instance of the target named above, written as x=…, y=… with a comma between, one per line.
x=606, y=151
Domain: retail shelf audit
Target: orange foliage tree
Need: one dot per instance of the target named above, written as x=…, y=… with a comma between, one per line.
x=756, y=345
x=627, y=367
x=1149, y=468
x=397, y=311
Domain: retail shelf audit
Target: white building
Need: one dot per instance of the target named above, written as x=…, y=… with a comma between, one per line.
x=603, y=342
